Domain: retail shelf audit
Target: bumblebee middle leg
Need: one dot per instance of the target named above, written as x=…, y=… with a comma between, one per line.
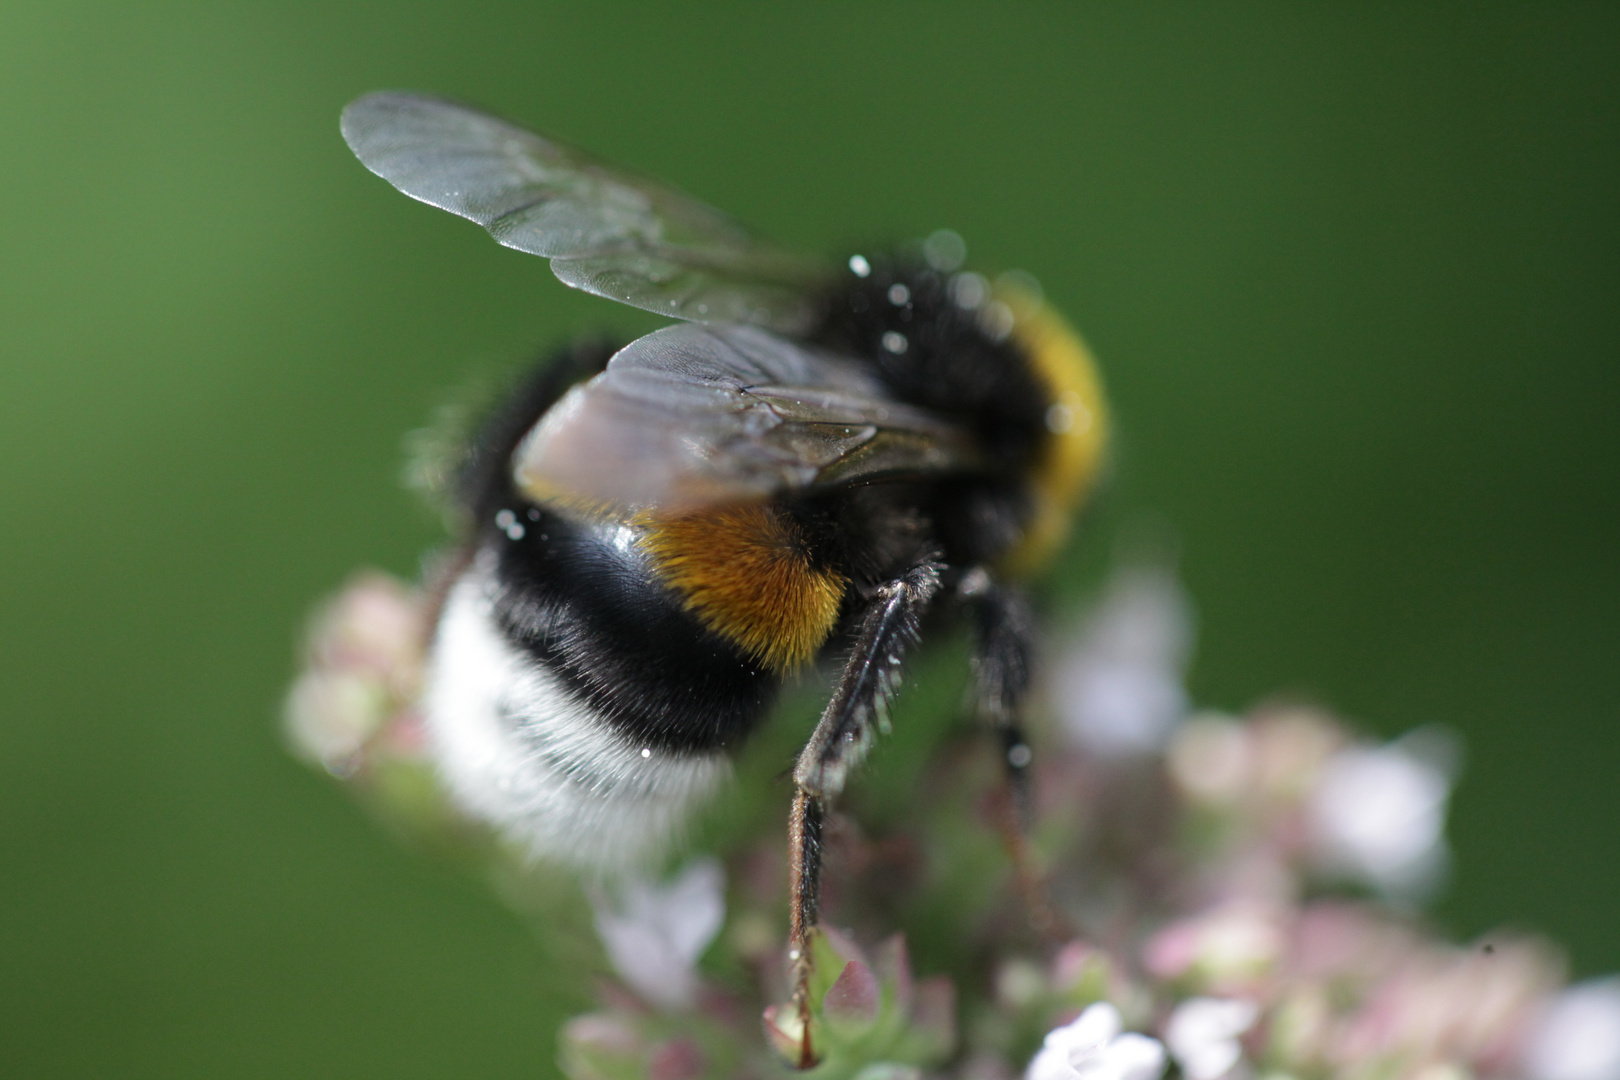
x=857, y=711
x=1003, y=644
x=1003, y=647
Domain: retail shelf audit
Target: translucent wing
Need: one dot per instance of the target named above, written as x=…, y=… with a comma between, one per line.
x=606, y=231
x=693, y=415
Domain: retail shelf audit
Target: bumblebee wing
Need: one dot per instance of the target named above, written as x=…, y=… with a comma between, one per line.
x=695, y=415
x=605, y=231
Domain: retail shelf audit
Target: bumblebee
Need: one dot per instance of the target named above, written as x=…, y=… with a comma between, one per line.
x=804, y=463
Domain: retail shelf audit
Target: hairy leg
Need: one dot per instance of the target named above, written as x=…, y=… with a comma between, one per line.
x=1003, y=648
x=857, y=711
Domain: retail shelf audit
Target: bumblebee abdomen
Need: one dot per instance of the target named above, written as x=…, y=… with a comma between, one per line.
x=583, y=600
x=521, y=748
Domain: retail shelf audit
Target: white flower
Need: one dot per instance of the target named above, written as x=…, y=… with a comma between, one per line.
x=1119, y=689
x=1202, y=1034
x=329, y=715
x=1578, y=1036
x=1091, y=1047
x=654, y=933
x=1379, y=813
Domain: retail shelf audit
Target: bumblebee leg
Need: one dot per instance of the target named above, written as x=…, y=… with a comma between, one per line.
x=1004, y=639
x=1004, y=642
x=858, y=709
x=804, y=894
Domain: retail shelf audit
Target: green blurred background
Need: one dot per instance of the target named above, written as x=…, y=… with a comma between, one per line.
x=1353, y=271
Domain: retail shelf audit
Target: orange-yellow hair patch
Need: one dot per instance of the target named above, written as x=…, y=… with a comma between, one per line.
x=745, y=573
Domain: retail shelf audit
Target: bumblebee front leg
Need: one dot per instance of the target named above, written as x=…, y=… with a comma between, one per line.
x=858, y=709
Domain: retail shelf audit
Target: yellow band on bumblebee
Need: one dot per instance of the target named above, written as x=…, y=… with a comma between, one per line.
x=1076, y=426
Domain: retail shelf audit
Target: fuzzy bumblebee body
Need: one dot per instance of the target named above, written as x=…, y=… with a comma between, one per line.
x=592, y=671
x=660, y=534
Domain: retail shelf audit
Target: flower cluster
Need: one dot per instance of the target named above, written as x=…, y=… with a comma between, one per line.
x=1223, y=897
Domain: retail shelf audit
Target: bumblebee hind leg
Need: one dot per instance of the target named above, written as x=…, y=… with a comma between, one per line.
x=857, y=711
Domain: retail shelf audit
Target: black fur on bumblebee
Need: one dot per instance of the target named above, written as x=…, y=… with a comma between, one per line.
x=661, y=533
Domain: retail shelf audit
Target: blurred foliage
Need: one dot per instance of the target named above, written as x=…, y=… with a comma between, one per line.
x=1350, y=270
